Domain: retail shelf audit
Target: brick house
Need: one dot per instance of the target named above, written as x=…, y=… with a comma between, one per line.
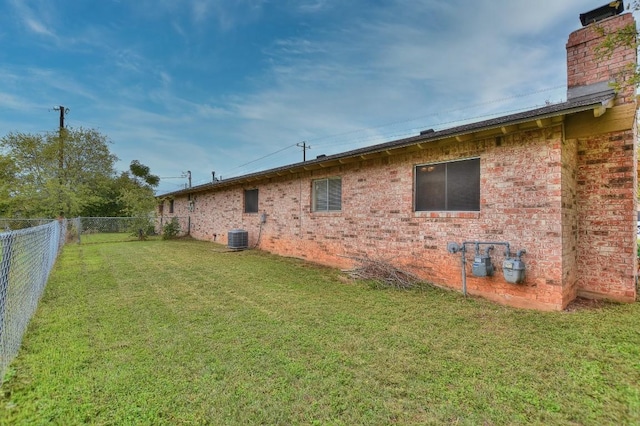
x=558, y=181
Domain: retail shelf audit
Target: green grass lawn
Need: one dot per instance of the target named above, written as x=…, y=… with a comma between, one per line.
x=182, y=332
x=98, y=238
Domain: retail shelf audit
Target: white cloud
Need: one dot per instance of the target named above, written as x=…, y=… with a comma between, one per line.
x=312, y=6
x=16, y=103
x=38, y=27
x=473, y=54
x=36, y=17
x=396, y=66
x=227, y=14
x=346, y=74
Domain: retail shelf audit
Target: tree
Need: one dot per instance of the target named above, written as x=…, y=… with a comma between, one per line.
x=142, y=173
x=137, y=196
x=136, y=190
x=7, y=183
x=70, y=171
x=624, y=37
x=63, y=171
x=130, y=193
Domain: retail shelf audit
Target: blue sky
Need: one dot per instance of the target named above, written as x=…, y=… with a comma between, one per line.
x=233, y=86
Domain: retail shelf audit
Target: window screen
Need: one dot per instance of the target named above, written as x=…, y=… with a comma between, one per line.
x=453, y=186
x=327, y=194
x=251, y=201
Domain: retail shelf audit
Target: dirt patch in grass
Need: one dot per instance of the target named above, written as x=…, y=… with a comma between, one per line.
x=582, y=304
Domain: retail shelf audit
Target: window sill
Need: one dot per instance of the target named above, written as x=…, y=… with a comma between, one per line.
x=327, y=213
x=452, y=215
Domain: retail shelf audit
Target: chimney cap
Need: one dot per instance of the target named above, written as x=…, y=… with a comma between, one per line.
x=610, y=9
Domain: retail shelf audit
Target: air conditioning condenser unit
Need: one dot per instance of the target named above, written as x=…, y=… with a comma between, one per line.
x=238, y=239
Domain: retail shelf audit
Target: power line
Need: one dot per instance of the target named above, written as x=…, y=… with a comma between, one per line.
x=410, y=132
x=399, y=134
x=506, y=98
x=262, y=158
x=351, y=140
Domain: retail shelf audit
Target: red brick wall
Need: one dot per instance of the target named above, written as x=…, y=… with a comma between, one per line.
x=521, y=203
x=606, y=183
x=607, y=206
x=583, y=65
x=570, y=219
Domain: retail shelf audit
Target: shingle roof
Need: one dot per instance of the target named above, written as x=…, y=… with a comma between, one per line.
x=575, y=105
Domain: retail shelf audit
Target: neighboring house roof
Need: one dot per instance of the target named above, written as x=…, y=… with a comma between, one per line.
x=597, y=102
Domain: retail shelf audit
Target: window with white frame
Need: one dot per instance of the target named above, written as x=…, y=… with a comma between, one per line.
x=451, y=186
x=327, y=194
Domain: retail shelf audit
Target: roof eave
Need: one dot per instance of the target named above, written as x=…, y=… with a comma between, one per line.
x=541, y=117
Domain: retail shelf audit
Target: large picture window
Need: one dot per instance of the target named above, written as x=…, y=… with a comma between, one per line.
x=453, y=186
x=327, y=194
x=251, y=201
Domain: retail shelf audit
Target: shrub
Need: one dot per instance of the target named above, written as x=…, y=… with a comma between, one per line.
x=171, y=229
x=139, y=227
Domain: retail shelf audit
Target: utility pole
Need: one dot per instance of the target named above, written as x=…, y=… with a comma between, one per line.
x=61, y=135
x=304, y=147
x=189, y=177
x=63, y=111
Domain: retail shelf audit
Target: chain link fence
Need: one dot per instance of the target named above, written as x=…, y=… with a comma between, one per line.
x=27, y=255
x=87, y=230
x=112, y=229
x=15, y=224
x=28, y=250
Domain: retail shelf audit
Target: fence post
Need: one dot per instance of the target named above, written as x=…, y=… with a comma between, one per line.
x=78, y=222
x=6, y=239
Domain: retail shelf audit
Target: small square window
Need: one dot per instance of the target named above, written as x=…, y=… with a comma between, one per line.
x=327, y=194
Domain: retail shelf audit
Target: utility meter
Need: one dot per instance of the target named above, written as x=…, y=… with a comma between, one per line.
x=513, y=269
x=482, y=266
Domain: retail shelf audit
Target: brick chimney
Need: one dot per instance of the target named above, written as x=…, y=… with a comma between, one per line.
x=587, y=74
